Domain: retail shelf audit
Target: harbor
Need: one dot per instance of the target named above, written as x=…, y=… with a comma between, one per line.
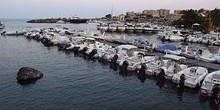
x=98, y=46
x=110, y=55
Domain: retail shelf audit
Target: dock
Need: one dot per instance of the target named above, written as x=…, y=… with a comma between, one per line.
x=212, y=66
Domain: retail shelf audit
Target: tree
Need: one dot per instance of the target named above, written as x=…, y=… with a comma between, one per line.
x=108, y=16
x=215, y=15
x=189, y=17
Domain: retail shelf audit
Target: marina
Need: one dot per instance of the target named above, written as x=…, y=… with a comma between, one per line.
x=110, y=55
x=149, y=82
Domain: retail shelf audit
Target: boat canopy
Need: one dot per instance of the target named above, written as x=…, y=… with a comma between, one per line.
x=165, y=47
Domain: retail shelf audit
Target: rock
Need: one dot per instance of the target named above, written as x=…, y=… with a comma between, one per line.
x=27, y=74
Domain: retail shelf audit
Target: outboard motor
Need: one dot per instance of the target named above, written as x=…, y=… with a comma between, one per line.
x=214, y=100
x=76, y=50
x=142, y=69
x=114, y=59
x=163, y=39
x=47, y=42
x=141, y=73
x=84, y=51
x=161, y=78
x=181, y=85
x=113, y=64
x=123, y=68
x=92, y=53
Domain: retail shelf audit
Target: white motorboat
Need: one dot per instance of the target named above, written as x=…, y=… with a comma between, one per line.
x=135, y=57
x=188, y=54
x=112, y=27
x=147, y=28
x=86, y=43
x=176, y=38
x=129, y=28
x=208, y=83
x=138, y=28
x=103, y=27
x=206, y=56
x=121, y=28
x=16, y=33
x=154, y=66
x=194, y=76
x=173, y=65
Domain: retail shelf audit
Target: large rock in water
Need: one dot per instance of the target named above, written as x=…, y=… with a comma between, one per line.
x=27, y=74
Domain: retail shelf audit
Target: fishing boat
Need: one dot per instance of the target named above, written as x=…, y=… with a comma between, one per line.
x=194, y=76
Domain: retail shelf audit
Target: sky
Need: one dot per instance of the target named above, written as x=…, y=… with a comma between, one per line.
x=93, y=8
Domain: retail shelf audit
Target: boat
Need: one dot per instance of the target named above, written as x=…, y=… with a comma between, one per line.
x=121, y=28
x=147, y=28
x=176, y=36
x=121, y=51
x=138, y=28
x=112, y=27
x=78, y=20
x=154, y=66
x=173, y=65
x=129, y=28
x=16, y=33
x=194, y=76
x=206, y=56
x=188, y=54
x=209, y=82
x=103, y=27
x=2, y=26
x=134, y=58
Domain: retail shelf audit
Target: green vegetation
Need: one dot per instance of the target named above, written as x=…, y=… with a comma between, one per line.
x=189, y=17
x=215, y=15
x=208, y=21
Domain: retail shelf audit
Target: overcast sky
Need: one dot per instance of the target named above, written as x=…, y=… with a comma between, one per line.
x=92, y=8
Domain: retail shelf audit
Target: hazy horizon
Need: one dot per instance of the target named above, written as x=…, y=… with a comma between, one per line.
x=27, y=9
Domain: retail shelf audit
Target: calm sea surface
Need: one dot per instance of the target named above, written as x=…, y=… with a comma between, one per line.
x=73, y=83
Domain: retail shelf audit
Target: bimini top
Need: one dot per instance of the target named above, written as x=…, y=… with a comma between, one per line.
x=174, y=57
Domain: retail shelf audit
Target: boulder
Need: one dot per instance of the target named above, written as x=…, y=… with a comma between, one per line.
x=27, y=74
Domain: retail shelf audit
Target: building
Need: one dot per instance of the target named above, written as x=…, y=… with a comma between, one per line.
x=176, y=12
x=121, y=17
x=163, y=12
x=153, y=13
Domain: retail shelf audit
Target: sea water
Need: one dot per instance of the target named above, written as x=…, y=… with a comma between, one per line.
x=74, y=83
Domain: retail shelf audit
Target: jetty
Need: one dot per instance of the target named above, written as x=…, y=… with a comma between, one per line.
x=50, y=41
